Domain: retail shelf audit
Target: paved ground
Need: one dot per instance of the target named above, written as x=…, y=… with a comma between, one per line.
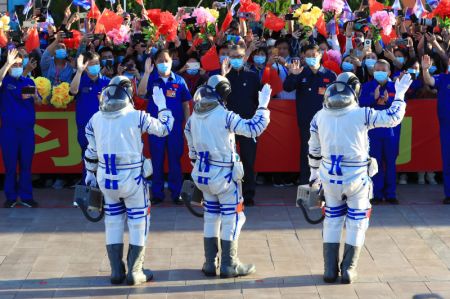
x=54, y=252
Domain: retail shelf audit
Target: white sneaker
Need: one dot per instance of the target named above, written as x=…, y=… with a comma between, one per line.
x=74, y=204
x=421, y=178
x=430, y=178
x=403, y=180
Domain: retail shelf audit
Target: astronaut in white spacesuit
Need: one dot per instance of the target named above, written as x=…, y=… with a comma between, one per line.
x=218, y=172
x=339, y=159
x=115, y=154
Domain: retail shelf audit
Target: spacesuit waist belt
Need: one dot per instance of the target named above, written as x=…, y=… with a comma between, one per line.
x=123, y=166
x=347, y=164
x=219, y=163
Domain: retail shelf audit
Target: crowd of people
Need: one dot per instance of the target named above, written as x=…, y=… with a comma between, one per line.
x=250, y=47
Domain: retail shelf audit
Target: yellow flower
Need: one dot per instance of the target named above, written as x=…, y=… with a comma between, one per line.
x=316, y=12
x=60, y=97
x=44, y=88
x=214, y=13
x=305, y=7
x=306, y=19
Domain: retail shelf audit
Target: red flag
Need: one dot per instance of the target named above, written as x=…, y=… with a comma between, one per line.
x=273, y=22
x=188, y=35
x=73, y=43
x=375, y=6
x=108, y=21
x=270, y=75
x=252, y=7
x=140, y=2
x=226, y=21
x=32, y=41
x=210, y=61
x=321, y=26
x=94, y=13
x=3, y=39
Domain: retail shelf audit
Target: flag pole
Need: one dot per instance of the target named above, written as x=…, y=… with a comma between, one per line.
x=125, y=5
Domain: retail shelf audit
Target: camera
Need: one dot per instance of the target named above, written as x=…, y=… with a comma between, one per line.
x=424, y=22
x=401, y=42
x=289, y=17
x=68, y=34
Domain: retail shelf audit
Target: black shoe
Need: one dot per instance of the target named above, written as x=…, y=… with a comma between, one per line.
x=9, y=204
x=177, y=201
x=156, y=201
x=249, y=202
x=446, y=201
x=376, y=201
x=29, y=203
x=392, y=201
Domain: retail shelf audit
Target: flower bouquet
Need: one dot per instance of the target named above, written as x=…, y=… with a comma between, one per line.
x=382, y=21
x=332, y=9
x=442, y=11
x=119, y=36
x=60, y=96
x=44, y=87
x=307, y=16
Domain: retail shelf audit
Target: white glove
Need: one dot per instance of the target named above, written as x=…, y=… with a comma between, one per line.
x=90, y=179
x=264, y=96
x=314, y=177
x=159, y=98
x=402, y=86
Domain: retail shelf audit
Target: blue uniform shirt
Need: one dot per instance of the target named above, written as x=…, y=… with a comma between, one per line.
x=49, y=70
x=442, y=84
x=87, y=98
x=176, y=92
x=367, y=99
x=16, y=112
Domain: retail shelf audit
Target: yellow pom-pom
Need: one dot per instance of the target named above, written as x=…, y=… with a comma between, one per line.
x=60, y=97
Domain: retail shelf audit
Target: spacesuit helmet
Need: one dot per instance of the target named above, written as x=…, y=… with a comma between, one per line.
x=211, y=94
x=343, y=92
x=117, y=95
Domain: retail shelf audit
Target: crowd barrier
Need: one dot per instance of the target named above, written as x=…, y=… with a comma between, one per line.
x=57, y=149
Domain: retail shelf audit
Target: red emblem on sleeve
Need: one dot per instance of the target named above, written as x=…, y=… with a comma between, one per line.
x=326, y=80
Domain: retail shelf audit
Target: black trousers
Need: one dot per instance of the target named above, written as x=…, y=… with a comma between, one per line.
x=304, y=150
x=247, y=148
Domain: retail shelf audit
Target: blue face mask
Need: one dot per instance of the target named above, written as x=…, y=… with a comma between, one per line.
x=120, y=59
x=16, y=72
x=432, y=69
x=347, y=66
x=380, y=76
x=25, y=61
x=401, y=60
x=93, y=70
x=312, y=61
x=222, y=58
x=192, y=71
x=163, y=67
x=413, y=71
x=370, y=63
x=104, y=61
x=60, y=54
x=236, y=63
x=259, y=59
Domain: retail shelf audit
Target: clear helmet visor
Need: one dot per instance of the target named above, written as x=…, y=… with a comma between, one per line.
x=114, y=98
x=339, y=95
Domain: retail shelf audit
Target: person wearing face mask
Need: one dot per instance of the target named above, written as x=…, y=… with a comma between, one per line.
x=379, y=95
x=54, y=63
x=193, y=74
x=178, y=98
x=106, y=62
x=243, y=100
x=441, y=82
x=309, y=82
x=86, y=85
x=369, y=64
x=259, y=61
x=17, y=130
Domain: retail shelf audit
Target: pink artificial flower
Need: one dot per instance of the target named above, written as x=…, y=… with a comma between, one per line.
x=203, y=16
x=335, y=56
x=335, y=6
x=383, y=20
x=119, y=36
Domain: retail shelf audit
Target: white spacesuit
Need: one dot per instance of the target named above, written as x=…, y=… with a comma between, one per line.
x=115, y=154
x=217, y=172
x=339, y=158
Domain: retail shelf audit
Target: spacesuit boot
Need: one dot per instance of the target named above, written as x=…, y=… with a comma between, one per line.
x=331, y=260
x=230, y=266
x=349, y=263
x=211, y=246
x=115, y=254
x=135, y=259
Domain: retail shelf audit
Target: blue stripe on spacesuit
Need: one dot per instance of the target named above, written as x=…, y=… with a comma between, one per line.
x=228, y=121
x=212, y=207
x=202, y=180
x=336, y=182
x=204, y=158
x=336, y=162
x=229, y=177
x=113, y=164
x=237, y=124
